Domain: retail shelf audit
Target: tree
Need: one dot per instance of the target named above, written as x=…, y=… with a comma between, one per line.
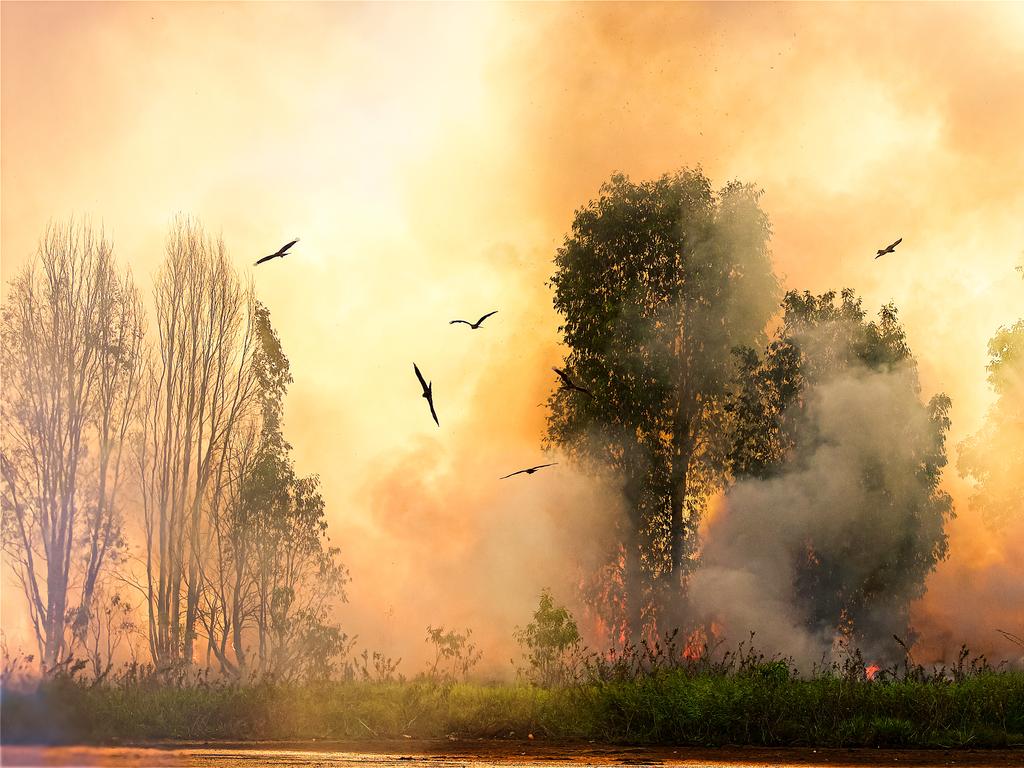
x=656, y=284
x=297, y=576
x=994, y=457
x=72, y=334
x=455, y=654
x=550, y=643
x=270, y=575
x=873, y=527
x=200, y=389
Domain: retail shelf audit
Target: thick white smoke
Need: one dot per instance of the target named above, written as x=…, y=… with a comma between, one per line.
x=853, y=490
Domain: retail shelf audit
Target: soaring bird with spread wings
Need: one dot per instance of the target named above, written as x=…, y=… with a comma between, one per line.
x=569, y=383
x=428, y=392
x=889, y=248
x=280, y=253
x=529, y=471
x=475, y=325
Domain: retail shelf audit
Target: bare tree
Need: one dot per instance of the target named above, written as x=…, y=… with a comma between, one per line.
x=72, y=335
x=200, y=387
x=227, y=600
x=112, y=628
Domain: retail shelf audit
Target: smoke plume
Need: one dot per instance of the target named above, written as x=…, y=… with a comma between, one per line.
x=851, y=500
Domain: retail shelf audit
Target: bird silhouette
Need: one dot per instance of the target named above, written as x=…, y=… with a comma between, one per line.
x=569, y=383
x=475, y=325
x=1012, y=637
x=889, y=248
x=280, y=253
x=428, y=392
x=529, y=471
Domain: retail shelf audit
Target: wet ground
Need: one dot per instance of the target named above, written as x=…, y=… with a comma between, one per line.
x=481, y=754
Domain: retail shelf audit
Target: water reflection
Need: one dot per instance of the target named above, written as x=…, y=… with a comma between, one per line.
x=491, y=757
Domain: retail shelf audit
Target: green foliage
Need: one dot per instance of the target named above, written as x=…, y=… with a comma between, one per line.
x=550, y=643
x=656, y=284
x=455, y=654
x=672, y=706
x=374, y=667
x=767, y=389
x=822, y=350
x=297, y=576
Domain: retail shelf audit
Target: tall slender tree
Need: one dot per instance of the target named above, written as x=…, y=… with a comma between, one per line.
x=200, y=387
x=297, y=576
x=272, y=577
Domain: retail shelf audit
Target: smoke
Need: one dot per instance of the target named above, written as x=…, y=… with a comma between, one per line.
x=850, y=502
x=452, y=545
x=974, y=595
x=983, y=591
x=414, y=151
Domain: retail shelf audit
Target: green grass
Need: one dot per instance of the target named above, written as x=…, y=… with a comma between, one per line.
x=663, y=707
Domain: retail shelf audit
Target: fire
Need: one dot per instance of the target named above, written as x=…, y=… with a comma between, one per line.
x=701, y=639
x=871, y=670
x=605, y=597
x=695, y=644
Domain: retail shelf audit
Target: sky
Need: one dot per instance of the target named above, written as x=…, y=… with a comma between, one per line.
x=430, y=157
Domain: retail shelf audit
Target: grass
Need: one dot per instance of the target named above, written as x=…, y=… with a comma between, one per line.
x=758, y=706
x=646, y=694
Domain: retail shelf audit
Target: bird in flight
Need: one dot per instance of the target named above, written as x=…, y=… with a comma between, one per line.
x=428, y=392
x=280, y=253
x=569, y=383
x=529, y=471
x=889, y=248
x=1012, y=637
x=475, y=325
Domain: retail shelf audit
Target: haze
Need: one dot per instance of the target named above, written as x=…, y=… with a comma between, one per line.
x=430, y=158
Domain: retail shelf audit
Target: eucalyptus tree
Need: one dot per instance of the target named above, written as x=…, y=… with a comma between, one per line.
x=656, y=283
x=271, y=576
x=297, y=576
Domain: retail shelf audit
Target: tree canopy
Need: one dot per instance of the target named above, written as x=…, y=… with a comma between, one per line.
x=830, y=419
x=657, y=282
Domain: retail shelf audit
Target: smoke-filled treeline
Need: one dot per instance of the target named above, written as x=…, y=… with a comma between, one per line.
x=825, y=456
x=778, y=468
x=172, y=440
x=835, y=517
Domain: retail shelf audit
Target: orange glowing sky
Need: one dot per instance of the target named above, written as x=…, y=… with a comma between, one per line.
x=430, y=158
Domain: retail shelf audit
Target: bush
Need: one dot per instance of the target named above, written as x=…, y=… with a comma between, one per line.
x=550, y=643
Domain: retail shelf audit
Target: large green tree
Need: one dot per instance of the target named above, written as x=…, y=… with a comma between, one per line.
x=657, y=282
x=873, y=527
